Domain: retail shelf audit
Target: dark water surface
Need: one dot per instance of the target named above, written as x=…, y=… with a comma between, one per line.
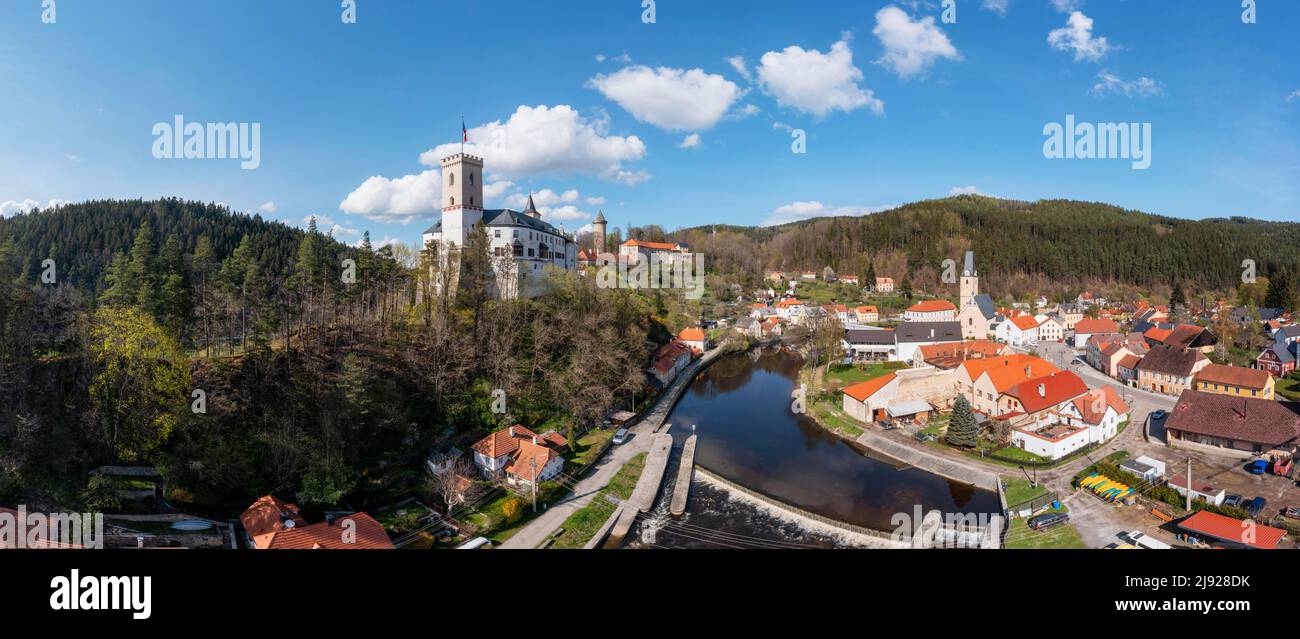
x=741, y=407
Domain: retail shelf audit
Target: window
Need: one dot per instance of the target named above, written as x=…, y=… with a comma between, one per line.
x=496, y=233
x=471, y=200
x=471, y=179
x=451, y=179
x=453, y=201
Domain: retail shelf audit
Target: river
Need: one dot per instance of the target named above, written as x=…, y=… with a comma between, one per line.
x=741, y=409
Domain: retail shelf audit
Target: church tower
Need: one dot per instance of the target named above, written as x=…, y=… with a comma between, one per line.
x=598, y=232
x=462, y=197
x=970, y=281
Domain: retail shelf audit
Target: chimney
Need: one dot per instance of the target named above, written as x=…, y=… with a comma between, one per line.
x=932, y=333
x=534, y=440
x=1029, y=371
x=329, y=519
x=512, y=431
x=1042, y=390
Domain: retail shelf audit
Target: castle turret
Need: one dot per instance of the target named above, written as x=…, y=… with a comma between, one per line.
x=462, y=197
x=598, y=232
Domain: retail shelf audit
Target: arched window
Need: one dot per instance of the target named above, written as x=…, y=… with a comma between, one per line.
x=471, y=179
x=453, y=200
x=451, y=179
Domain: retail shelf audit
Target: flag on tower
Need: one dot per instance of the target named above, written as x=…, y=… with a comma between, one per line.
x=464, y=133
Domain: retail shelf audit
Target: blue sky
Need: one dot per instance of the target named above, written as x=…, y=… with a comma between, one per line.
x=681, y=122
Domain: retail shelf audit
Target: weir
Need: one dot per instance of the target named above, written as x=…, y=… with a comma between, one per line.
x=682, y=489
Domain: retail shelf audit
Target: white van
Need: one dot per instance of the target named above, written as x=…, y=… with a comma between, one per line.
x=1139, y=538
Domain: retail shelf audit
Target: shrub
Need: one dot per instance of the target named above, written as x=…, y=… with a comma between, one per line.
x=512, y=509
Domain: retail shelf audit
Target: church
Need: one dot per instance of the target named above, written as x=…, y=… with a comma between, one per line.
x=521, y=243
x=975, y=311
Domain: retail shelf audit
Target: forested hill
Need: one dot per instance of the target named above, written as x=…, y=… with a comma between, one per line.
x=1057, y=240
x=82, y=238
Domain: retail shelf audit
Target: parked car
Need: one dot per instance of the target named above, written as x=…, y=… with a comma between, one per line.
x=1159, y=415
x=1139, y=538
x=1233, y=501
x=1256, y=506
x=1043, y=522
x=1258, y=467
x=620, y=437
x=1291, y=512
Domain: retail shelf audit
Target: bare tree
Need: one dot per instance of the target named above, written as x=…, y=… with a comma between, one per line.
x=452, y=482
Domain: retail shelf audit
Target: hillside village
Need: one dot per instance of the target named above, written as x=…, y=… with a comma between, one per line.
x=1050, y=383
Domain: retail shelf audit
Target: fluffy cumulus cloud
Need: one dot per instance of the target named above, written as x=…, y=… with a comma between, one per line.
x=544, y=140
x=1142, y=87
x=673, y=99
x=398, y=200
x=796, y=211
x=996, y=6
x=814, y=82
x=326, y=224
x=911, y=46
x=268, y=207
x=13, y=207
x=691, y=141
x=1077, y=36
x=1067, y=6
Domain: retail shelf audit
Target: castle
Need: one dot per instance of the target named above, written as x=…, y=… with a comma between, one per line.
x=522, y=245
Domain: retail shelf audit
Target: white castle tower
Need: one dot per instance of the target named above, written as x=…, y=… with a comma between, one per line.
x=462, y=197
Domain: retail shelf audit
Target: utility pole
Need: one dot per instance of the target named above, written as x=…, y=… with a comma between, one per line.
x=533, y=461
x=1189, y=484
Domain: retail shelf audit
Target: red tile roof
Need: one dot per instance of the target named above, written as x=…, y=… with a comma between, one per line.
x=1024, y=322
x=657, y=246
x=1157, y=334
x=1089, y=326
x=275, y=524
x=1045, y=392
x=932, y=306
x=862, y=390
x=1008, y=370
x=1234, y=376
x=1108, y=396
x=692, y=334
x=787, y=303
x=503, y=442
x=530, y=453
x=1223, y=528
x=1243, y=419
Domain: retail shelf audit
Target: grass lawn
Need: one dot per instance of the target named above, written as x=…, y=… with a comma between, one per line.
x=1021, y=536
x=1020, y=491
x=1289, y=387
x=830, y=416
x=401, y=520
x=589, y=445
x=841, y=375
x=582, y=525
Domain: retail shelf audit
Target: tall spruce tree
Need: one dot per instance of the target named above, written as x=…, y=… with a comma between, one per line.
x=962, y=429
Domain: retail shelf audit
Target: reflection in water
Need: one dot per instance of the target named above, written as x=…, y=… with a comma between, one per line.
x=748, y=434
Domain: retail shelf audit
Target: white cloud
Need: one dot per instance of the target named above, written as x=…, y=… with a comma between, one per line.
x=911, y=46
x=996, y=6
x=738, y=63
x=747, y=111
x=542, y=140
x=1143, y=87
x=1067, y=6
x=12, y=207
x=494, y=190
x=672, y=99
x=543, y=198
x=600, y=57
x=796, y=211
x=268, y=207
x=387, y=241
x=963, y=190
x=816, y=82
x=1077, y=36
x=326, y=224
x=595, y=201
x=1295, y=95
x=691, y=141
x=398, y=200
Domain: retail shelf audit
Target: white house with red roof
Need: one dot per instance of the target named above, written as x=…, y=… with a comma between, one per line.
x=695, y=338
x=931, y=311
x=495, y=453
x=884, y=285
x=1017, y=331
